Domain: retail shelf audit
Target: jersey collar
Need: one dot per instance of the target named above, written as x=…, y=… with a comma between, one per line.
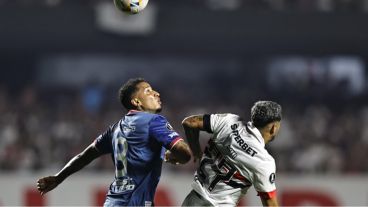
x=133, y=111
x=252, y=129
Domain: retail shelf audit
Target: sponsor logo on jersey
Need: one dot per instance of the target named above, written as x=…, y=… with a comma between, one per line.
x=272, y=178
x=128, y=129
x=169, y=127
x=123, y=185
x=243, y=145
x=174, y=134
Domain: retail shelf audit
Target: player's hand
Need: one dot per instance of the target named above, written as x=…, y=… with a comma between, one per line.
x=169, y=157
x=47, y=184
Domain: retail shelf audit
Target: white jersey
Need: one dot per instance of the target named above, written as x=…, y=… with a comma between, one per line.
x=234, y=159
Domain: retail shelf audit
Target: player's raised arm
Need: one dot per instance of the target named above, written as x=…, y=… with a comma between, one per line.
x=47, y=184
x=192, y=126
x=269, y=201
x=179, y=154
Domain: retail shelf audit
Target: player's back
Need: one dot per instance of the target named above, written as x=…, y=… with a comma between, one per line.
x=137, y=159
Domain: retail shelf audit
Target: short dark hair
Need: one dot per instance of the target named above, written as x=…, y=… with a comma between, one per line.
x=265, y=112
x=127, y=90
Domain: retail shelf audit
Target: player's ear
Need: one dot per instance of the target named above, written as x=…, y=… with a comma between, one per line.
x=135, y=102
x=273, y=129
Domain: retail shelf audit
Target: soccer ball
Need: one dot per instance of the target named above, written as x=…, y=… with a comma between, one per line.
x=131, y=6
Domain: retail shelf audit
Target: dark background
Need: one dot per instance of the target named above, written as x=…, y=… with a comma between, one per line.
x=61, y=69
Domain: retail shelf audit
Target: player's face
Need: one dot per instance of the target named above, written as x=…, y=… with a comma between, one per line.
x=147, y=99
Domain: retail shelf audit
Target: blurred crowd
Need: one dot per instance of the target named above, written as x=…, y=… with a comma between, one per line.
x=263, y=5
x=318, y=139
x=38, y=132
x=292, y=5
x=42, y=129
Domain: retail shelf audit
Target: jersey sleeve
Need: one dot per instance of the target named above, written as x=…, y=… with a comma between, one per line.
x=264, y=181
x=103, y=143
x=161, y=130
x=218, y=122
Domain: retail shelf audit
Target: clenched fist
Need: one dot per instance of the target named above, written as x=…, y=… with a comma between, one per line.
x=170, y=158
x=46, y=184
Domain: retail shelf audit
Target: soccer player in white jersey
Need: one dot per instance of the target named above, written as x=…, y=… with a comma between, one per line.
x=235, y=157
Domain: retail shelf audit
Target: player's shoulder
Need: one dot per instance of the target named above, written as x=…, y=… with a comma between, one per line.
x=158, y=119
x=224, y=122
x=228, y=116
x=267, y=161
x=147, y=115
x=141, y=118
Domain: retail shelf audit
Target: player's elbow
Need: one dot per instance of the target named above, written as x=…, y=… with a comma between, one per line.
x=187, y=155
x=182, y=152
x=186, y=122
x=184, y=158
x=190, y=122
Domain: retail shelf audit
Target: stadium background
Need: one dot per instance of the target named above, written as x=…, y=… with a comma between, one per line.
x=62, y=62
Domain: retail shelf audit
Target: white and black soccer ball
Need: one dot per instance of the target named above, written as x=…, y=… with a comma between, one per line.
x=131, y=6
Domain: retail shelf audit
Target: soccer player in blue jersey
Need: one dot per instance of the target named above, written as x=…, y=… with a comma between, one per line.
x=137, y=145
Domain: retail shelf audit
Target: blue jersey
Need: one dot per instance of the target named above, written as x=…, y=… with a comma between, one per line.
x=137, y=145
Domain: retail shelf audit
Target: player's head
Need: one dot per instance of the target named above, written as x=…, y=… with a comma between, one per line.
x=266, y=116
x=137, y=94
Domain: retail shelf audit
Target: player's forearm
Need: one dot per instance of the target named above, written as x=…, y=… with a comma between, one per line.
x=192, y=126
x=181, y=152
x=77, y=163
x=270, y=202
x=192, y=136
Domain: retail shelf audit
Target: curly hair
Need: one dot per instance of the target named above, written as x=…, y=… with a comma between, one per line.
x=265, y=112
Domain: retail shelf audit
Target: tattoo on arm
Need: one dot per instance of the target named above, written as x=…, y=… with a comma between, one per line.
x=195, y=122
x=192, y=126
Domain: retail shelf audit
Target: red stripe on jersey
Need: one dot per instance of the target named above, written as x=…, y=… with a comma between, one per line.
x=132, y=111
x=267, y=195
x=175, y=141
x=238, y=176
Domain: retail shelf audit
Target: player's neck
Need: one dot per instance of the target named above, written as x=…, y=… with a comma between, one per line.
x=265, y=135
x=152, y=111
